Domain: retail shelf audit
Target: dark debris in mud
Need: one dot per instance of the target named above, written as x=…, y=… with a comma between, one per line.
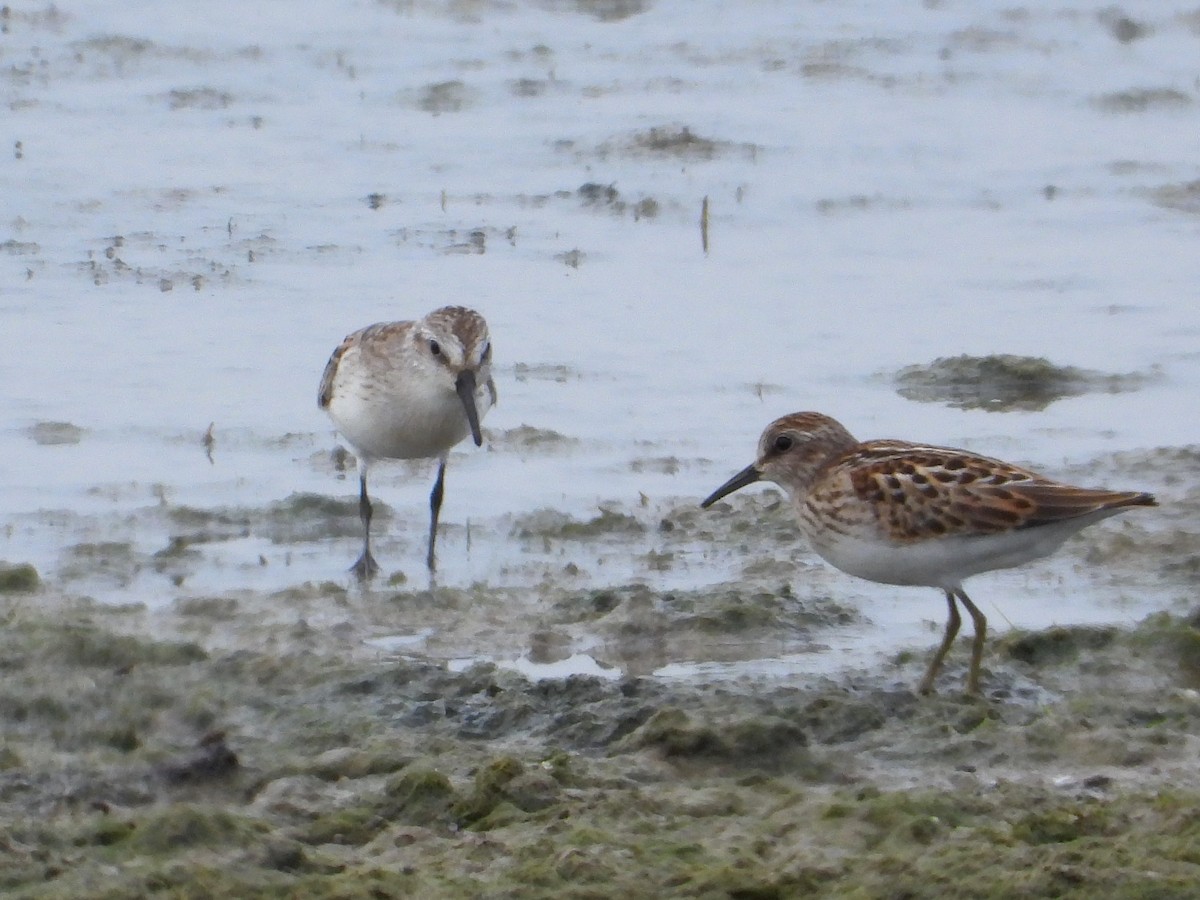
x=606, y=197
x=608, y=10
x=443, y=97
x=51, y=434
x=674, y=142
x=1138, y=100
x=1184, y=197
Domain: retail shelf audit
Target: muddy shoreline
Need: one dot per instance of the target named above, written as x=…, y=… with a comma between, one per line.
x=259, y=747
x=325, y=740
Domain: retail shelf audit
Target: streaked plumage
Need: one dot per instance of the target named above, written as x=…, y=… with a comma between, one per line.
x=901, y=513
x=409, y=390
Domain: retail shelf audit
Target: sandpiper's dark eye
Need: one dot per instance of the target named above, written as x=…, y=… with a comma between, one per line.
x=783, y=443
x=435, y=348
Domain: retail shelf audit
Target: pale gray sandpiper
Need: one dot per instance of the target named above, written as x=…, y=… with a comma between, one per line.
x=902, y=513
x=409, y=390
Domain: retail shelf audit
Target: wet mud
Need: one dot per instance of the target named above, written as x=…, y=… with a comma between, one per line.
x=328, y=740
x=231, y=756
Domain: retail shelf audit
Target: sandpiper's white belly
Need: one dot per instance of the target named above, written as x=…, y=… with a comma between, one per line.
x=392, y=418
x=941, y=562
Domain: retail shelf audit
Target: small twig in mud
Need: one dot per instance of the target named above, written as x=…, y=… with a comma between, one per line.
x=1000, y=613
x=704, y=225
x=208, y=442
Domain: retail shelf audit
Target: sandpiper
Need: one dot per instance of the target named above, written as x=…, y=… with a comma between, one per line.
x=901, y=513
x=409, y=390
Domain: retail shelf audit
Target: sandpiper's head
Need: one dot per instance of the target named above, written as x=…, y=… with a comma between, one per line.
x=455, y=339
x=791, y=451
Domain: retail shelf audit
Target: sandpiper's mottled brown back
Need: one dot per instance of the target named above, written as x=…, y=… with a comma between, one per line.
x=920, y=492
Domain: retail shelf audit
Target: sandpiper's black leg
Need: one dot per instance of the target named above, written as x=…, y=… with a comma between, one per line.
x=435, y=509
x=365, y=567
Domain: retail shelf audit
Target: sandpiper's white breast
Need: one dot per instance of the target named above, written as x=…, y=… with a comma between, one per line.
x=399, y=413
x=393, y=389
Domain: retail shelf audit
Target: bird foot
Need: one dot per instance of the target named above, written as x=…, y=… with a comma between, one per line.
x=365, y=568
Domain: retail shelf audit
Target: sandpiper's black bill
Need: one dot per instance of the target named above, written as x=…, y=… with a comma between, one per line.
x=748, y=475
x=465, y=386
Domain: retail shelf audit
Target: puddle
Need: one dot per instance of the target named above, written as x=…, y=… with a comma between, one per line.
x=395, y=643
x=575, y=664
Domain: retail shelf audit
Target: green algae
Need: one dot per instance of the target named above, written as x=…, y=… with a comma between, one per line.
x=18, y=579
x=1183, y=197
x=50, y=434
x=115, y=560
x=88, y=646
x=297, y=518
x=1142, y=99
x=420, y=797
x=1004, y=382
x=1057, y=644
x=527, y=438
x=224, y=608
x=1174, y=642
x=587, y=788
x=185, y=826
x=489, y=793
x=552, y=525
x=762, y=741
x=352, y=762
x=1063, y=823
x=352, y=827
x=737, y=611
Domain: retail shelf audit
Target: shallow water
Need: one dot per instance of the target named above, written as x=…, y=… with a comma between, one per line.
x=198, y=206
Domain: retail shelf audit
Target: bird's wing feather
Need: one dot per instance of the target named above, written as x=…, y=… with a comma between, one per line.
x=922, y=492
